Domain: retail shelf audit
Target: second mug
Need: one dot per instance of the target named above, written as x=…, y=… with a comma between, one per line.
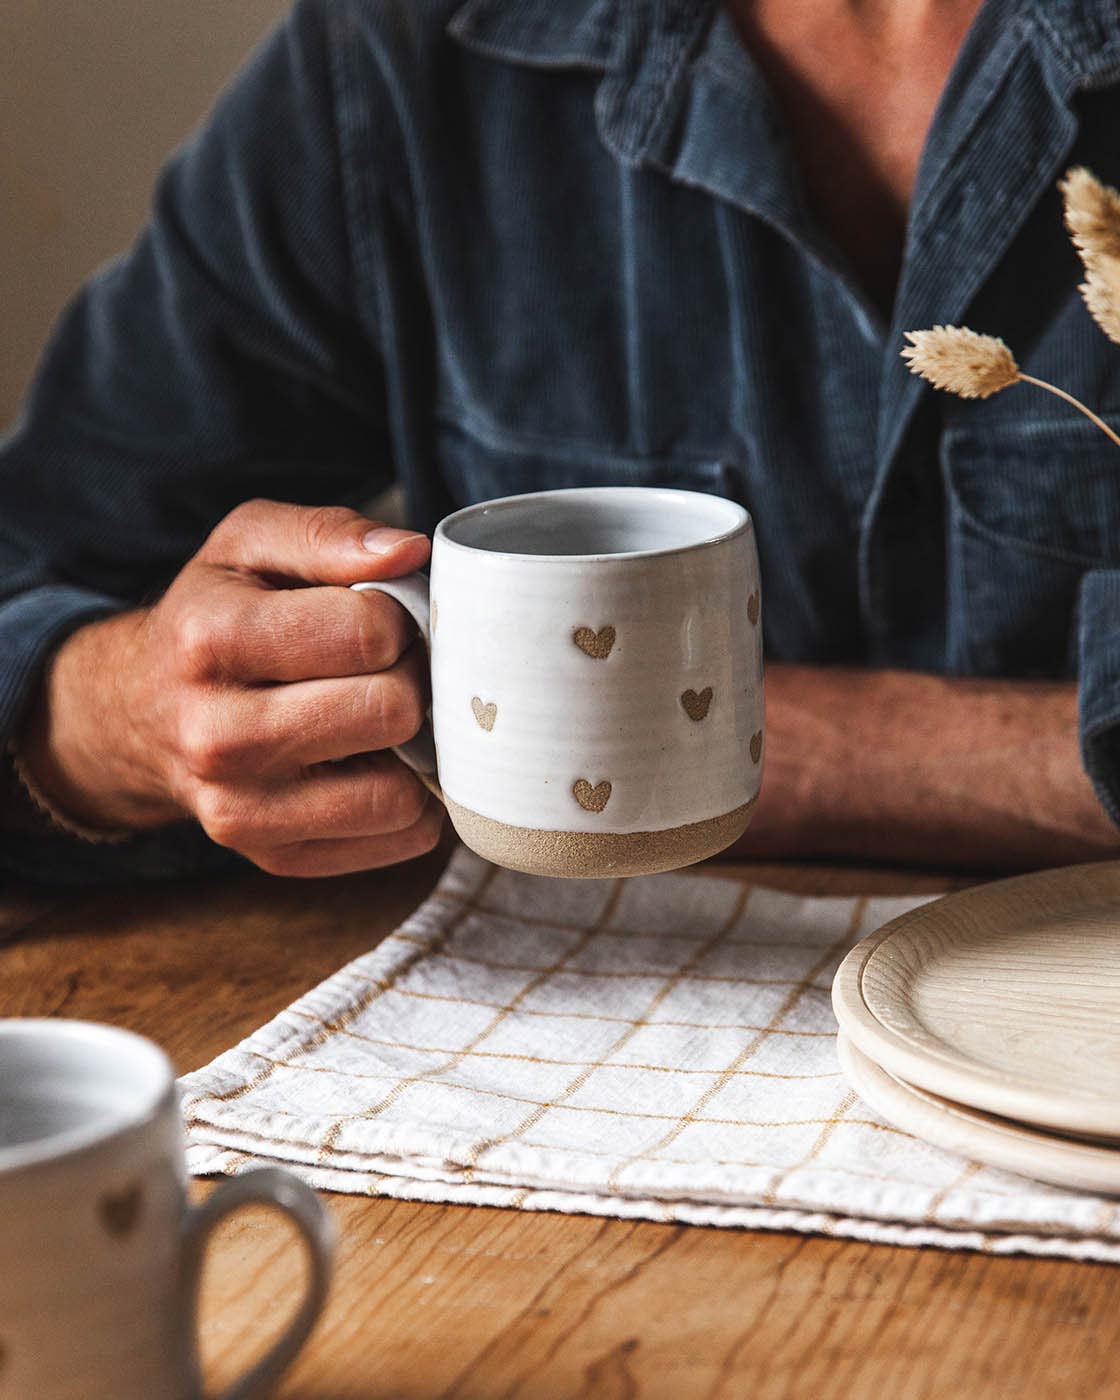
x=596, y=659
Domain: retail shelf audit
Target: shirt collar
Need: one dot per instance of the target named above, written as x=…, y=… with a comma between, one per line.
x=680, y=93
x=537, y=33
x=677, y=87
x=1083, y=36
x=642, y=48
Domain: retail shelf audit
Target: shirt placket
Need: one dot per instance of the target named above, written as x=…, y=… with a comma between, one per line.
x=999, y=142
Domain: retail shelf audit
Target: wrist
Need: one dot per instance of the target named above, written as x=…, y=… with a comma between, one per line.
x=80, y=750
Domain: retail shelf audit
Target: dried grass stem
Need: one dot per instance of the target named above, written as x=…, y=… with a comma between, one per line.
x=1061, y=393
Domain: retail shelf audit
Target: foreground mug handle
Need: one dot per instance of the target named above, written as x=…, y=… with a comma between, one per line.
x=268, y=1187
x=413, y=595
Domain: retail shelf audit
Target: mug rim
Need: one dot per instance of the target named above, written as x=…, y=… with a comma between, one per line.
x=741, y=523
x=149, y=1104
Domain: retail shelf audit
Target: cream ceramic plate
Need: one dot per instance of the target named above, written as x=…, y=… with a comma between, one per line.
x=1005, y=997
x=1079, y=1166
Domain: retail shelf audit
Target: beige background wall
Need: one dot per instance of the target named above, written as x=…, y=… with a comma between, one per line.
x=93, y=95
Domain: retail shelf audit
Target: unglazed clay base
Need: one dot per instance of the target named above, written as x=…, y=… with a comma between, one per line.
x=595, y=855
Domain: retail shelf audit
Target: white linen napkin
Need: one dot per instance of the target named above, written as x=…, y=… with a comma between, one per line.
x=662, y=1047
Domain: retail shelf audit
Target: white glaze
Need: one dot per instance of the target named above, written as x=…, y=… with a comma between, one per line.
x=99, y=1253
x=672, y=574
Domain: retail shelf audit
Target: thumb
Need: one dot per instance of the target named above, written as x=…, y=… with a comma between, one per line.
x=313, y=544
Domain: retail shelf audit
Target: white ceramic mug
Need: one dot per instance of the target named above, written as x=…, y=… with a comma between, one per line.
x=596, y=661
x=99, y=1252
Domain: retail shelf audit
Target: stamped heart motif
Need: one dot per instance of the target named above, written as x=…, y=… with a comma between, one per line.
x=591, y=799
x=595, y=644
x=120, y=1210
x=756, y=746
x=753, y=608
x=485, y=714
x=696, y=706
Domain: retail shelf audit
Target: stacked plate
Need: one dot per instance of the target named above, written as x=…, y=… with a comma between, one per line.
x=988, y=1023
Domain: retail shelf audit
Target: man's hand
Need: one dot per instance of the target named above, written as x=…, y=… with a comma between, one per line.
x=233, y=699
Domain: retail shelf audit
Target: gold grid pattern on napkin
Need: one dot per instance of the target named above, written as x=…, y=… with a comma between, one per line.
x=666, y=1040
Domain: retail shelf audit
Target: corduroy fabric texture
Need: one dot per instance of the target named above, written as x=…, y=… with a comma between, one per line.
x=507, y=245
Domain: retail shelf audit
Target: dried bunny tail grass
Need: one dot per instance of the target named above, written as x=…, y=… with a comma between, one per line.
x=1101, y=294
x=1092, y=215
x=961, y=361
x=1093, y=220
x=977, y=366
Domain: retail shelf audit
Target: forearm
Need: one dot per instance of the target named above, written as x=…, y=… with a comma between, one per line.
x=917, y=769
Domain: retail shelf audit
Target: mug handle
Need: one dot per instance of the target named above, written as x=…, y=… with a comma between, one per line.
x=412, y=594
x=267, y=1186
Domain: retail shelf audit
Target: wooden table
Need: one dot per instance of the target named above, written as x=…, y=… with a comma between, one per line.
x=461, y=1301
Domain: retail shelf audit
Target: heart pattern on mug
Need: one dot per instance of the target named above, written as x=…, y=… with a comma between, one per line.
x=120, y=1210
x=485, y=714
x=696, y=706
x=598, y=645
x=595, y=644
x=591, y=799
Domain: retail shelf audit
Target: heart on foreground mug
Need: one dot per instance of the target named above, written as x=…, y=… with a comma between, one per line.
x=99, y=1252
x=596, y=659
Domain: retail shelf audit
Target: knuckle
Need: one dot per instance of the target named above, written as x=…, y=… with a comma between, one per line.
x=423, y=836
x=194, y=642
x=321, y=525
x=398, y=710
x=228, y=619
x=429, y=830
x=405, y=802
x=373, y=652
x=241, y=519
x=283, y=860
x=250, y=513
x=209, y=639
x=380, y=633
x=205, y=746
x=222, y=817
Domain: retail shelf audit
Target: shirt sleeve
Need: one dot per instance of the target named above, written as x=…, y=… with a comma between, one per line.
x=224, y=357
x=1099, y=684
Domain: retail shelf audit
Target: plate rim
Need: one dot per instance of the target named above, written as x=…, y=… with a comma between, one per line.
x=977, y=1086
x=976, y=1135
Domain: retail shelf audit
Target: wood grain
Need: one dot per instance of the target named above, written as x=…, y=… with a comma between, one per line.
x=1005, y=997
x=982, y=1137
x=478, y=1304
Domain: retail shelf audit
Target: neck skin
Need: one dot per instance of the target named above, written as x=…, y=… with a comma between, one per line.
x=857, y=82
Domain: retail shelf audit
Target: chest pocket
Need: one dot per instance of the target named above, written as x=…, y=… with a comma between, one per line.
x=482, y=464
x=1033, y=505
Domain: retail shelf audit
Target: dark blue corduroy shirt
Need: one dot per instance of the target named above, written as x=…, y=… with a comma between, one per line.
x=493, y=247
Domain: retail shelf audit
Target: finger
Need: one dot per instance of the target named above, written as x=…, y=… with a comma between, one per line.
x=312, y=859
x=258, y=635
x=312, y=544
x=281, y=729
x=373, y=795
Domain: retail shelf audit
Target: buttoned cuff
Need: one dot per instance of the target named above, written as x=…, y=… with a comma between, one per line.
x=32, y=624
x=1099, y=684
